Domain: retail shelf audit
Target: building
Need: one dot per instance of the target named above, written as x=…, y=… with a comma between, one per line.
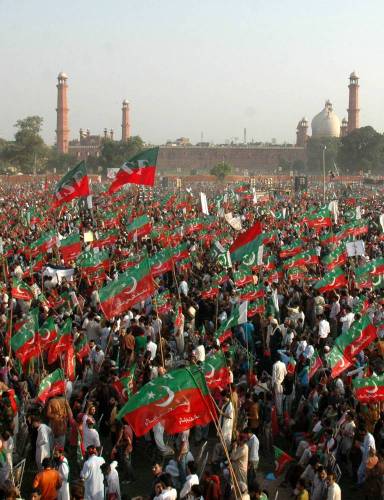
x=88, y=145
x=326, y=124
x=62, y=128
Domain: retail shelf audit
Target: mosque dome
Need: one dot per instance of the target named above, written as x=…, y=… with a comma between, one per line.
x=326, y=123
x=125, y=102
x=62, y=76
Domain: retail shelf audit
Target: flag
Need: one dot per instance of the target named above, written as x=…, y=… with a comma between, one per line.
x=47, y=334
x=315, y=363
x=106, y=239
x=239, y=316
x=242, y=278
x=281, y=460
x=256, y=307
x=216, y=371
x=337, y=257
x=140, y=227
x=52, y=385
x=359, y=336
x=46, y=242
x=125, y=384
x=331, y=281
x=252, y=292
x=369, y=389
x=291, y=250
x=70, y=247
x=91, y=261
x=23, y=342
x=82, y=348
x=140, y=169
x=318, y=219
x=74, y=184
x=62, y=343
x=21, y=290
x=309, y=257
x=373, y=267
x=247, y=244
x=131, y=287
x=161, y=262
x=337, y=362
x=179, y=400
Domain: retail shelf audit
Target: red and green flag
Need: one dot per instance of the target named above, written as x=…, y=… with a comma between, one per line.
x=252, y=292
x=106, y=238
x=315, y=363
x=82, y=348
x=89, y=262
x=51, y=386
x=70, y=247
x=46, y=242
x=337, y=257
x=161, y=262
x=180, y=252
x=291, y=250
x=139, y=227
x=332, y=280
x=140, y=169
x=318, y=219
x=359, y=336
x=374, y=267
x=247, y=245
x=23, y=342
x=353, y=229
x=125, y=384
x=256, y=307
x=282, y=459
x=62, y=343
x=131, y=287
x=74, y=184
x=47, y=334
x=370, y=389
x=179, y=400
x=216, y=371
x=21, y=290
x=242, y=278
x=307, y=258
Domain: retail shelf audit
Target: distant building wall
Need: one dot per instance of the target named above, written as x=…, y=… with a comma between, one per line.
x=256, y=160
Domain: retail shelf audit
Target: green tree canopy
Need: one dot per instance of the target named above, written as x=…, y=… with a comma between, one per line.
x=114, y=154
x=315, y=148
x=221, y=170
x=362, y=149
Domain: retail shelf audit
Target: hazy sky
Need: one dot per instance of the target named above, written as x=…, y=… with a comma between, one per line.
x=215, y=66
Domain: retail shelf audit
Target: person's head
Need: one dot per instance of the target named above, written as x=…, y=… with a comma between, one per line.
x=157, y=469
x=36, y=421
x=191, y=467
x=322, y=473
x=58, y=451
x=196, y=491
x=35, y=495
x=46, y=463
x=331, y=477
x=105, y=469
x=166, y=480
x=300, y=484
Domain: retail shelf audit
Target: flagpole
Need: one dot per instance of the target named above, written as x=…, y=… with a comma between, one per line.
x=160, y=337
x=220, y=434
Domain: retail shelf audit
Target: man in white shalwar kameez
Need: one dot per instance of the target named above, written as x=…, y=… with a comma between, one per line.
x=43, y=441
x=93, y=476
x=63, y=470
x=279, y=371
x=113, y=483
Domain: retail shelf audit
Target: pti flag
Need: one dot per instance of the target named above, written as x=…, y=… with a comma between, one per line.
x=74, y=184
x=141, y=169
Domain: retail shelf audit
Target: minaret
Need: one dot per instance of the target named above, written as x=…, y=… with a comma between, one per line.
x=302, y=133
x=353, y=106
x=344, y=128
x=62, y=130
x=125, y=124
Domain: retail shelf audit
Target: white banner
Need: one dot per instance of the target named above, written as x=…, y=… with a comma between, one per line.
x=355, y=248
x=204, y=204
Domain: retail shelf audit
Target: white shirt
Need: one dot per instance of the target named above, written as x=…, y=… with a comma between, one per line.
x=93, y=478
x=347, y=321
x=168, y=494
x=279, y=371
x=324, y=329
x=335, y=309
x=90, y=437
x=334, y=492
x=189, y=482
x=253, y=447
x=183, y=288
x=152, y=348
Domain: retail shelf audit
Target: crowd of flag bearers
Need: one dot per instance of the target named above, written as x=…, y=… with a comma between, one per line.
x=231, y=338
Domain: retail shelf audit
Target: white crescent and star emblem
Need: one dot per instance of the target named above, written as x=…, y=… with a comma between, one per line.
x=133, y=287
x=372, y=391
x=211, y=372
x=169, y=399
x=249, y=259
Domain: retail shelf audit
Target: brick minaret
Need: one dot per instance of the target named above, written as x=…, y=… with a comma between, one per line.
x=62, y=130
x=302, y=133
x=353, y=106
x=125, y=124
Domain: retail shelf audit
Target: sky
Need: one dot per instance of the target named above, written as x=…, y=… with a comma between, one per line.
x=190, y=67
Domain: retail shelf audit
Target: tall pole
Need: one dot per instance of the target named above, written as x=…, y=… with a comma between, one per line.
x=324, y=148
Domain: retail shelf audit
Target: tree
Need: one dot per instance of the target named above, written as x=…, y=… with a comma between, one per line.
x=115, y=153
x=315, y=148
x=221, y=170
x=362, y=149
x=27, y=153
x=59, y=162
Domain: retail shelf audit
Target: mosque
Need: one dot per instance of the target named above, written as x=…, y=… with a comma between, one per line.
x=326, y=124
x=186, y=159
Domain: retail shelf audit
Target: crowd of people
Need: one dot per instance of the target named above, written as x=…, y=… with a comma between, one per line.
x=283, y=405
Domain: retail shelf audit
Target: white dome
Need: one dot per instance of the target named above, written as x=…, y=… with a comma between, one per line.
x=326, y=123
x=125, y=102
x=62, y=76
